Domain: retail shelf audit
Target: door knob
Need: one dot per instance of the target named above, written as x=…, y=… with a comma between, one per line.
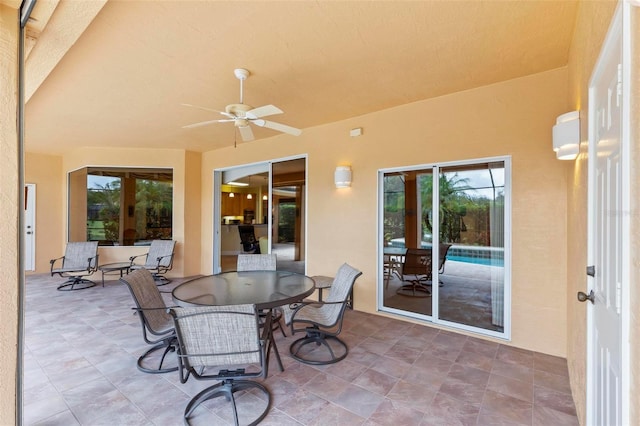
x=583, y=297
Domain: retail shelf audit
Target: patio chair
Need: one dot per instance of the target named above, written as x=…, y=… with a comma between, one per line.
x=418, y=263
x=256, y=262
x=322, y=322
x=79, y=261
x=264, y=262
x=158, y=261
x=223, y=343
x=248, y=239
x=157, y=324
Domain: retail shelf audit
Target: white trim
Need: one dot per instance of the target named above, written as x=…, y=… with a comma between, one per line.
x=625, y=151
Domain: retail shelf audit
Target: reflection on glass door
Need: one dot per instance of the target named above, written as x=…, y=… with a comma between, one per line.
x=445, y=225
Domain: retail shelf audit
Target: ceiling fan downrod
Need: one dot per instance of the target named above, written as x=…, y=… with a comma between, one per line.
x=241, y=74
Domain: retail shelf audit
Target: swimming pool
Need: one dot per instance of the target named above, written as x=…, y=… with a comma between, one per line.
x=477, y=260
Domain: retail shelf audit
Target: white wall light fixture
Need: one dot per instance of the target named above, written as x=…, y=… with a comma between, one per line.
x=566, y=136
x=342, y=177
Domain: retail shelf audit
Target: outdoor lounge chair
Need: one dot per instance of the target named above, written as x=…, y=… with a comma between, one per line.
x=223, y=343
x=157, y=324
x=322, y=322
x=80, y=260
x=158, y=261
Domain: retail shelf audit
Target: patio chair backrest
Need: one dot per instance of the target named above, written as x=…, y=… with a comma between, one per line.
x=77, y=255
x=256, y=262
x=417, y=261
x=218, y=335
x=147, y=296
x=162, y=249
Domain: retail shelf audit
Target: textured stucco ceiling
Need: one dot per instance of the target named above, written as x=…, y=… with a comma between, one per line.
x=121, y=82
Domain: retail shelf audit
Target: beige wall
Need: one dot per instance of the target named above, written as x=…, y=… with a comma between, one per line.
x=9, y=208
x=45, y=171
x=511, y=118
x=592, y=24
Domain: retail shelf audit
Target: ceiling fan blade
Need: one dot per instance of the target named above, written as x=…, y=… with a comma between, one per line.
x=204, y=123
x=278, y=126
x=263, y=111
x=246, y=133
x=226, y=114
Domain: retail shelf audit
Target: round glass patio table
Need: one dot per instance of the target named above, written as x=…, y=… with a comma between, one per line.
x=265, y=289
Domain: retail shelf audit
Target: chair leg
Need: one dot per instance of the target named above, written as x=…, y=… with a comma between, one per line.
x=72, y=282
x=318, y=339
x=227, y=388
x=168, y=347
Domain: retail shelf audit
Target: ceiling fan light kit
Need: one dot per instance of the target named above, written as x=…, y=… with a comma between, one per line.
x=243, y=115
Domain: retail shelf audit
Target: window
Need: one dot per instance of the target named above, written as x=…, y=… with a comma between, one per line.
x=120, y=206
x=461, y=212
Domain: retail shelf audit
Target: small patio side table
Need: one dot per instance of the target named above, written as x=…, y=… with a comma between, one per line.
x=108, y=268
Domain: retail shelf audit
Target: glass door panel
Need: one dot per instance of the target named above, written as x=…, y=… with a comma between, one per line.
x=407, y=202
x=471, y=219
x=287, y=210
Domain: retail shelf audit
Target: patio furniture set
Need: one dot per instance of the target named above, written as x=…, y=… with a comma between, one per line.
x=221, y=327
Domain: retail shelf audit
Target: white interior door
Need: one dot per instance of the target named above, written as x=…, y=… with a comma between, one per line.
x=29, y=227
x=606, y=234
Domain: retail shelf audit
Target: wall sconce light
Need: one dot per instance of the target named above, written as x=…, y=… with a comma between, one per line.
x=342, y=177
x=265, y=198
x=566, y=136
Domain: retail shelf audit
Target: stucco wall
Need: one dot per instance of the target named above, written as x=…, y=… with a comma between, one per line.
x=511, y=118
x=592, y=24
x=9, y=208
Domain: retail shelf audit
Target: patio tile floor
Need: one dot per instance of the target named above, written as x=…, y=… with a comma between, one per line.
x=81, y=349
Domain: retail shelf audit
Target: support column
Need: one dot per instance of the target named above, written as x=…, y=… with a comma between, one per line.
x=9, y=211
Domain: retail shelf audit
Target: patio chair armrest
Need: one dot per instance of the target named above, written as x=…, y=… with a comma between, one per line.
x=53, y=261
x=159, y=258
x=92, y=263
x=132, y=258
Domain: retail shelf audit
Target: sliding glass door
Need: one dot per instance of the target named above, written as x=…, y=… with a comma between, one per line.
x=443, y=241
x=264, y=202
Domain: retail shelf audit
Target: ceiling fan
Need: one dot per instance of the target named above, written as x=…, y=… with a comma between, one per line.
x=243, y=115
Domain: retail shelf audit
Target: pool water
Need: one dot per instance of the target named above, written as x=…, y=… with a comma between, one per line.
x=477, y=260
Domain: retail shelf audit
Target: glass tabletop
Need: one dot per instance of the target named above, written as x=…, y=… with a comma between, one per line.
x=265, y=289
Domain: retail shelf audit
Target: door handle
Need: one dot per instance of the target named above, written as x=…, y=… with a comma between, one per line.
x=29, y=232
x=583, y=297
